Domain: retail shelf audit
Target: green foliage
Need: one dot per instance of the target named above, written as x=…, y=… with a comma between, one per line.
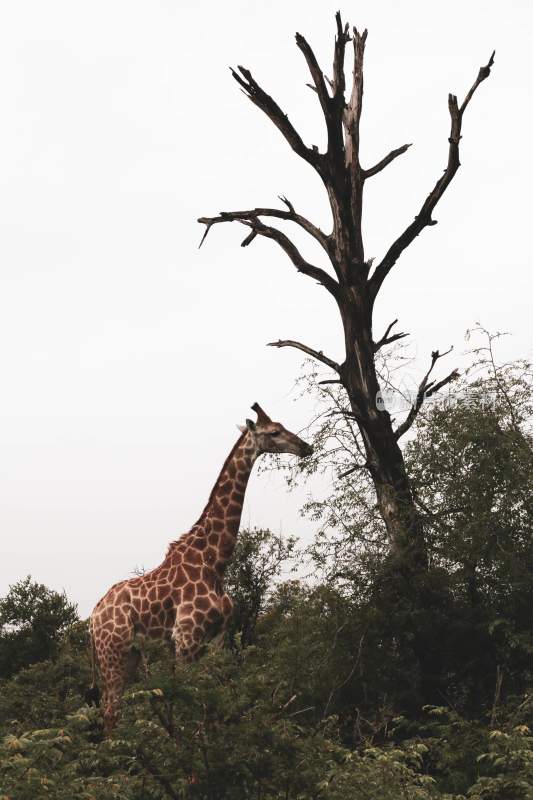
x=508, y=763
x=359, y=684
x=225, y=728
x=265, y=721
x=472, y=470
x=32, y=620
x=285, y=717
x=258, y=561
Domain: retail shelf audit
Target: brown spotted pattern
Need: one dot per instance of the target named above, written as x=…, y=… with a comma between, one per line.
x=183, y=599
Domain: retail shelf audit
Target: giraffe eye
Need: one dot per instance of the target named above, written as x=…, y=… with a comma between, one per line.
x=275, y=433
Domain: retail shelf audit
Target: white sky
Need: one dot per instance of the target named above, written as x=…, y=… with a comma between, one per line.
x=127, y=355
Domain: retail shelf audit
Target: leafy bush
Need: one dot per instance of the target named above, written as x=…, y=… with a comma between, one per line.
x=32, y=621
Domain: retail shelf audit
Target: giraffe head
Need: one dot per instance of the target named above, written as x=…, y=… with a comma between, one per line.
x=272, y=437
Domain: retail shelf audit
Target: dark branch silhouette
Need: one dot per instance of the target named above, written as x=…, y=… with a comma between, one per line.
x=423, y=218
x=426, y=389
x=354, y=286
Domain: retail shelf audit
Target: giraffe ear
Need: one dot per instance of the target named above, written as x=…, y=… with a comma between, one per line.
x=250, y=426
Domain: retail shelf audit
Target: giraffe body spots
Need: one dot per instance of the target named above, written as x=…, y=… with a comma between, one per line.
x=188, y=592
x=234, y=510
x=200, y=543
x=193, y=573
x=163, y=591
x=227, y=544
x=192, y=556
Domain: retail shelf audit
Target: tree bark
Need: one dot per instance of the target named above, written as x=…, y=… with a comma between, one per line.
x=384, y=458
x=355, y=286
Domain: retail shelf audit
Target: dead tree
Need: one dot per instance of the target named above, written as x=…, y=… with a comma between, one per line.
x=356, y=283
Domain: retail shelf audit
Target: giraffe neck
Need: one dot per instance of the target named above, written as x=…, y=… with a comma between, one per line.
x=222, y=514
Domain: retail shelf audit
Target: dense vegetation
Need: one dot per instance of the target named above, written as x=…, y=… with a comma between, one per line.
x=358, y=682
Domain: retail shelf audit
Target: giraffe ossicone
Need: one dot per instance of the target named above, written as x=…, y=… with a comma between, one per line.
x=183, y=599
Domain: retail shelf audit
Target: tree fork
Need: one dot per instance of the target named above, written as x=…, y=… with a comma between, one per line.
x=352, y=285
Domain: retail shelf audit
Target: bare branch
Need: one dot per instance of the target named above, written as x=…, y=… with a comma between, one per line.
x=338, y=84
x=426, y=390
x=454, y=374
x=318, y=354
x=423, y=219
x=386, y=339
x=355, y=106
x=390, y=327
x=251, y=219
x=483, y=73
x=393, y=338
x=351, y=119
x=297, y=259
x=355, y=468
x=332, y=106
x=287, y=203
x=278, y=213
x=269, y=106
x=249, y=239
x=316, y=73
x=343, y=412
x=368, y=173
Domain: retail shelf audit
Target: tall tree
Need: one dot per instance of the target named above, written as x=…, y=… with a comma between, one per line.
x=357, y=282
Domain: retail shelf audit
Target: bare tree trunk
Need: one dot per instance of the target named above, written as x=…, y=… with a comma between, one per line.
x=384, y=459
x=355, y=285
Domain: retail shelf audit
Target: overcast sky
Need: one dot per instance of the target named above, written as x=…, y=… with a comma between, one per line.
x=127, y=356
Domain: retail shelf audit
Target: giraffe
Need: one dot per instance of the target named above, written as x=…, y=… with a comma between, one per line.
x=183, y=599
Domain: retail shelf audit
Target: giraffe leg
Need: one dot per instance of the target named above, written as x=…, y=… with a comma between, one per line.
x=135, y=658
x=226, y=611
x=188, y=642
x=114, y=686
x=226, y=607
x=145, y=664
x=113, y=657
x=217, y=640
